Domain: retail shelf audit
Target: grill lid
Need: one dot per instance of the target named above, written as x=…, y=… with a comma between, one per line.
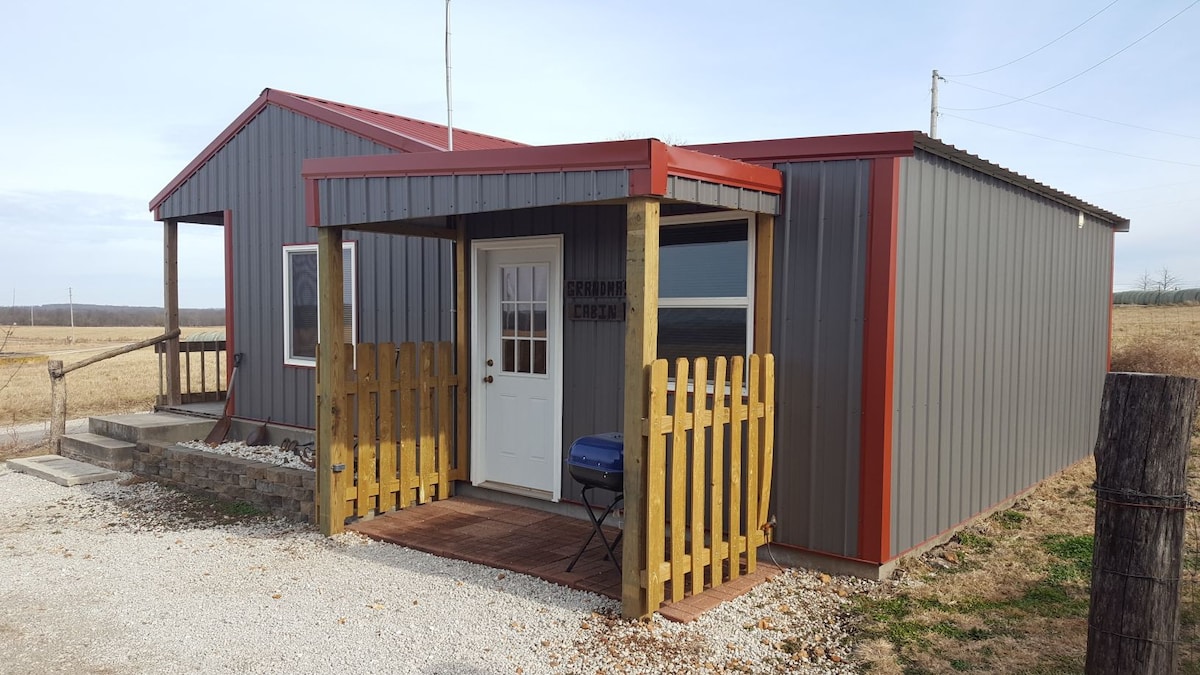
x=601, y=451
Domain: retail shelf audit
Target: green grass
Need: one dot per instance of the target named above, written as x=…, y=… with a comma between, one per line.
x=1074, y=555
x=1010, y=519
x=975, y=542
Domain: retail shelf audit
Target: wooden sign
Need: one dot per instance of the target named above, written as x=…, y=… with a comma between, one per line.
x=595, y=300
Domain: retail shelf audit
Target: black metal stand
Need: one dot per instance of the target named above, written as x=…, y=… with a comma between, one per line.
x=597, y=524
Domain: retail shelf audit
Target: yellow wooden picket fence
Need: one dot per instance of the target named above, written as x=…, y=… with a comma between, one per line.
x=405, y=414
x=709, y=472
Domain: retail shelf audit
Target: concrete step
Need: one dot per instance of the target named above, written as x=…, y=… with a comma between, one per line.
x=159, y=426
x=61, y=470
x=109, y=453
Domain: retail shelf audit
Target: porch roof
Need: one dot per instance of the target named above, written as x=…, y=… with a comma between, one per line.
x=388, y=188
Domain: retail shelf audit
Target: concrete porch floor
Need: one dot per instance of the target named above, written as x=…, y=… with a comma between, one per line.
x=531, y=542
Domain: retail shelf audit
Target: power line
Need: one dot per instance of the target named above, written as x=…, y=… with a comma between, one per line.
x=1093, y=67
x=1022, y=58
x=1069, y=112
x=1078, y=145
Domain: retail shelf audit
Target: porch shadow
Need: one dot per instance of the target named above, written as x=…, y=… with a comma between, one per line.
x=531, y=542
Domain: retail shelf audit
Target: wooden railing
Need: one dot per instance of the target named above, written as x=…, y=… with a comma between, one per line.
x=58, y=382
x=201, y=384
x=404, y=413
x=709, y=473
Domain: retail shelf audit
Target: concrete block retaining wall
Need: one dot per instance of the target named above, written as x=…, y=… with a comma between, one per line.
x=284, y=492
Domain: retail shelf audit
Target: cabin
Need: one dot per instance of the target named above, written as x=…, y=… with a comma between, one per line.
x=844, y=346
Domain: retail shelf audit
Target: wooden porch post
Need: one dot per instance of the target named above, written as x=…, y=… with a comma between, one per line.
x=641, y=348
x=764, y=256
x=462, y=339
x=331, y=381
x=171, y=307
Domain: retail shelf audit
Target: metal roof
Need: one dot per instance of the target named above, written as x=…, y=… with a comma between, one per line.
x=943, y=149
x=403, y=134
x=894, y=144
x=376, y=188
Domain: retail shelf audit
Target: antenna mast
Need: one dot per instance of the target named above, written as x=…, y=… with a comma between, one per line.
x=449, y=93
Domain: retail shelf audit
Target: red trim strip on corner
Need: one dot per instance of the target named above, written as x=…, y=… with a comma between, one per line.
x=312, y=203
x=229, y=346
x=879, y=331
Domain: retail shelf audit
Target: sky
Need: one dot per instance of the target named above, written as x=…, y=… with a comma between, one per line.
x=104, y=103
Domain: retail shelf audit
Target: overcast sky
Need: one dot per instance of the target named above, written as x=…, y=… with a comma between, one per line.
x=104, y=103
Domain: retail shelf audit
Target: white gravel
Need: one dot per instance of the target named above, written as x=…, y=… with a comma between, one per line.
x=269, y=454
x=130, y=577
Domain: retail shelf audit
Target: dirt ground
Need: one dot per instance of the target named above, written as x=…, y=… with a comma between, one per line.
x=125, y=383
x=1010, y=593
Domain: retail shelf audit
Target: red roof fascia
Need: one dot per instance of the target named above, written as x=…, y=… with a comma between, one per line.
x=650, y=159
x=383, y=128
x=849, y=146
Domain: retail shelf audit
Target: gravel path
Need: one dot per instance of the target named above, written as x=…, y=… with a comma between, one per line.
x=130, y=577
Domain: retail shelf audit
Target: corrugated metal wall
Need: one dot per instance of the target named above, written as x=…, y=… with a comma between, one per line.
x=593, y=248
x=1001, y=343
x=405, y=284
x=820, y=273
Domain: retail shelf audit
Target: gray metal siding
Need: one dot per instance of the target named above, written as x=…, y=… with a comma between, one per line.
x=345, y=201
x=1002, y=305
x=405, y=285
x=593, y=248
x=820, y=276
x=725, y=196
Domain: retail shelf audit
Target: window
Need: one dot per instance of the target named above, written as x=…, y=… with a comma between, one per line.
x=705, y=286
x=300, y=324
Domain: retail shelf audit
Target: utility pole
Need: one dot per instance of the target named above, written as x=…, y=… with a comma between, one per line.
x=933, y=106
x=71, y=302
x=449, y=94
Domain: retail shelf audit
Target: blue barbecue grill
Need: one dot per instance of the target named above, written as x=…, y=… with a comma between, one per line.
x=598, y=462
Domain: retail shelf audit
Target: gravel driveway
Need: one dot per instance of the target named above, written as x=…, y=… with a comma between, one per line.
x=130, y=577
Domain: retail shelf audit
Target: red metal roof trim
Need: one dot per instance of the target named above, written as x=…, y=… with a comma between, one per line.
x=849, y=146
x=648, y=155
x=403, y=134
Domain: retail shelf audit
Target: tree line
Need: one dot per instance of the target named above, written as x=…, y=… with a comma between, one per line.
x=105, y=315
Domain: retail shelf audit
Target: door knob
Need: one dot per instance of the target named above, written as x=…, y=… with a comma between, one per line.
x=488, y=379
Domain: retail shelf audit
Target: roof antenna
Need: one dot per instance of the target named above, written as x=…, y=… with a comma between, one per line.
x=449, y=94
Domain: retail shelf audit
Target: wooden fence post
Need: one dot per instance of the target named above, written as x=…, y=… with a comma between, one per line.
x=58, y=404
x=1141, y=497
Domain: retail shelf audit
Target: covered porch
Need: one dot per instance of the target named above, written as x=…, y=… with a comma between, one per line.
x=558, y=309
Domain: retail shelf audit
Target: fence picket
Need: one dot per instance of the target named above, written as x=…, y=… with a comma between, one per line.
x=366, y=471
x=701, y=420
x=408, y=427
x=656, y=488
x=752, y=449
x=720, y=417
x=737, y=413
x=445, y=414
x=388, y=483
x=679, y=482
x=425, y=448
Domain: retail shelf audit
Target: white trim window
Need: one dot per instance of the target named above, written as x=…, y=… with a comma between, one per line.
x=706, y=285
x=300, y=320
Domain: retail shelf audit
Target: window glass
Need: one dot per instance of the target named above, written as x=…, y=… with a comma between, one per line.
x=703, y=261
x=301, y=326
x=704, y=289
x=693, y=332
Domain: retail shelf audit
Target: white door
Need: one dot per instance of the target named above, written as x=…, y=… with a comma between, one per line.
x=518, y=368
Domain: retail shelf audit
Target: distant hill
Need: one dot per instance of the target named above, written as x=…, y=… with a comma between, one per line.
x=107, y=315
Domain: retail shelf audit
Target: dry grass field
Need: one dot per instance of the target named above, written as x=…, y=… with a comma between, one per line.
x=1010, y=593
x=124, y=383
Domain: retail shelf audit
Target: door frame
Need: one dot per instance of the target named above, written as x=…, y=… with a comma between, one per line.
x=479, y=257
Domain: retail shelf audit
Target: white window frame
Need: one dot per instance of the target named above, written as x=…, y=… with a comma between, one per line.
x=349, y=248
x=746, y=302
